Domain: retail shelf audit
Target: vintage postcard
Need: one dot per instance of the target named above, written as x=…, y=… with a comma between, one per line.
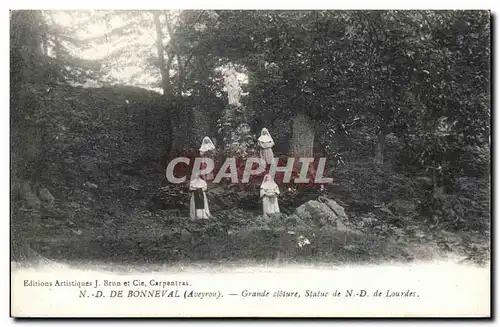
x=250, y=163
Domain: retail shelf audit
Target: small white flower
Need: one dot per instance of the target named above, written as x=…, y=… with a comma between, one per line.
x=303, y=241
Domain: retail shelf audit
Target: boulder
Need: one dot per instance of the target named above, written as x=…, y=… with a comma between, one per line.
x=29, y=196
x=45, y=195
x=325, y=212
x=402, y=207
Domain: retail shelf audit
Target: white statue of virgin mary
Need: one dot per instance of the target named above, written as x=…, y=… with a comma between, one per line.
x=233, y=87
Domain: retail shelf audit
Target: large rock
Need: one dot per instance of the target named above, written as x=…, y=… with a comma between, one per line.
x=45, y=195
x=402, y=207
x=325, y=212
x=29, y=196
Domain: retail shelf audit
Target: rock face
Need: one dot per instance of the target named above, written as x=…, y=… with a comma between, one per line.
x=30, y=196
x=325, y=212
x=45, y=195
x=402, y=207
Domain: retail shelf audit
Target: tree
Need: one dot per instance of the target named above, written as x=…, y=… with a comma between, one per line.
x=455, y=81
x=33, y=72
x=25, y=55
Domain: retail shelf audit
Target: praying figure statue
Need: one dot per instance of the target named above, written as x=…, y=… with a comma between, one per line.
x=233, y=88
x=269, y=192
x=266, y=144
x=198, y=205
x=207, y=150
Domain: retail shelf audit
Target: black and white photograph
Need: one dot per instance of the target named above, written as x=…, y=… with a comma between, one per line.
x=250, y=163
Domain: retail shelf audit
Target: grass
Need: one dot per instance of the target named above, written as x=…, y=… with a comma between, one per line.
x=179, y=241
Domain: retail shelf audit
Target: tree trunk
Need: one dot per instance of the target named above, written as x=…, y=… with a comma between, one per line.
x=57, y=42
x=20, y=250
x=165, y=79
x=379, y=150
x=21, y=221
x=165, y=75
x=175, y=46
x=57, y=47
x=45, y=45
x=302, y=136
x=26, y=138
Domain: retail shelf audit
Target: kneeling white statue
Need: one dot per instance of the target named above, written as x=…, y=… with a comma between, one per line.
x=269, y=192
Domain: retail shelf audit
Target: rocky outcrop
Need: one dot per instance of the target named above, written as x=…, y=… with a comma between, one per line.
x=325, y=212
x=45, y=195
x=29, y=196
